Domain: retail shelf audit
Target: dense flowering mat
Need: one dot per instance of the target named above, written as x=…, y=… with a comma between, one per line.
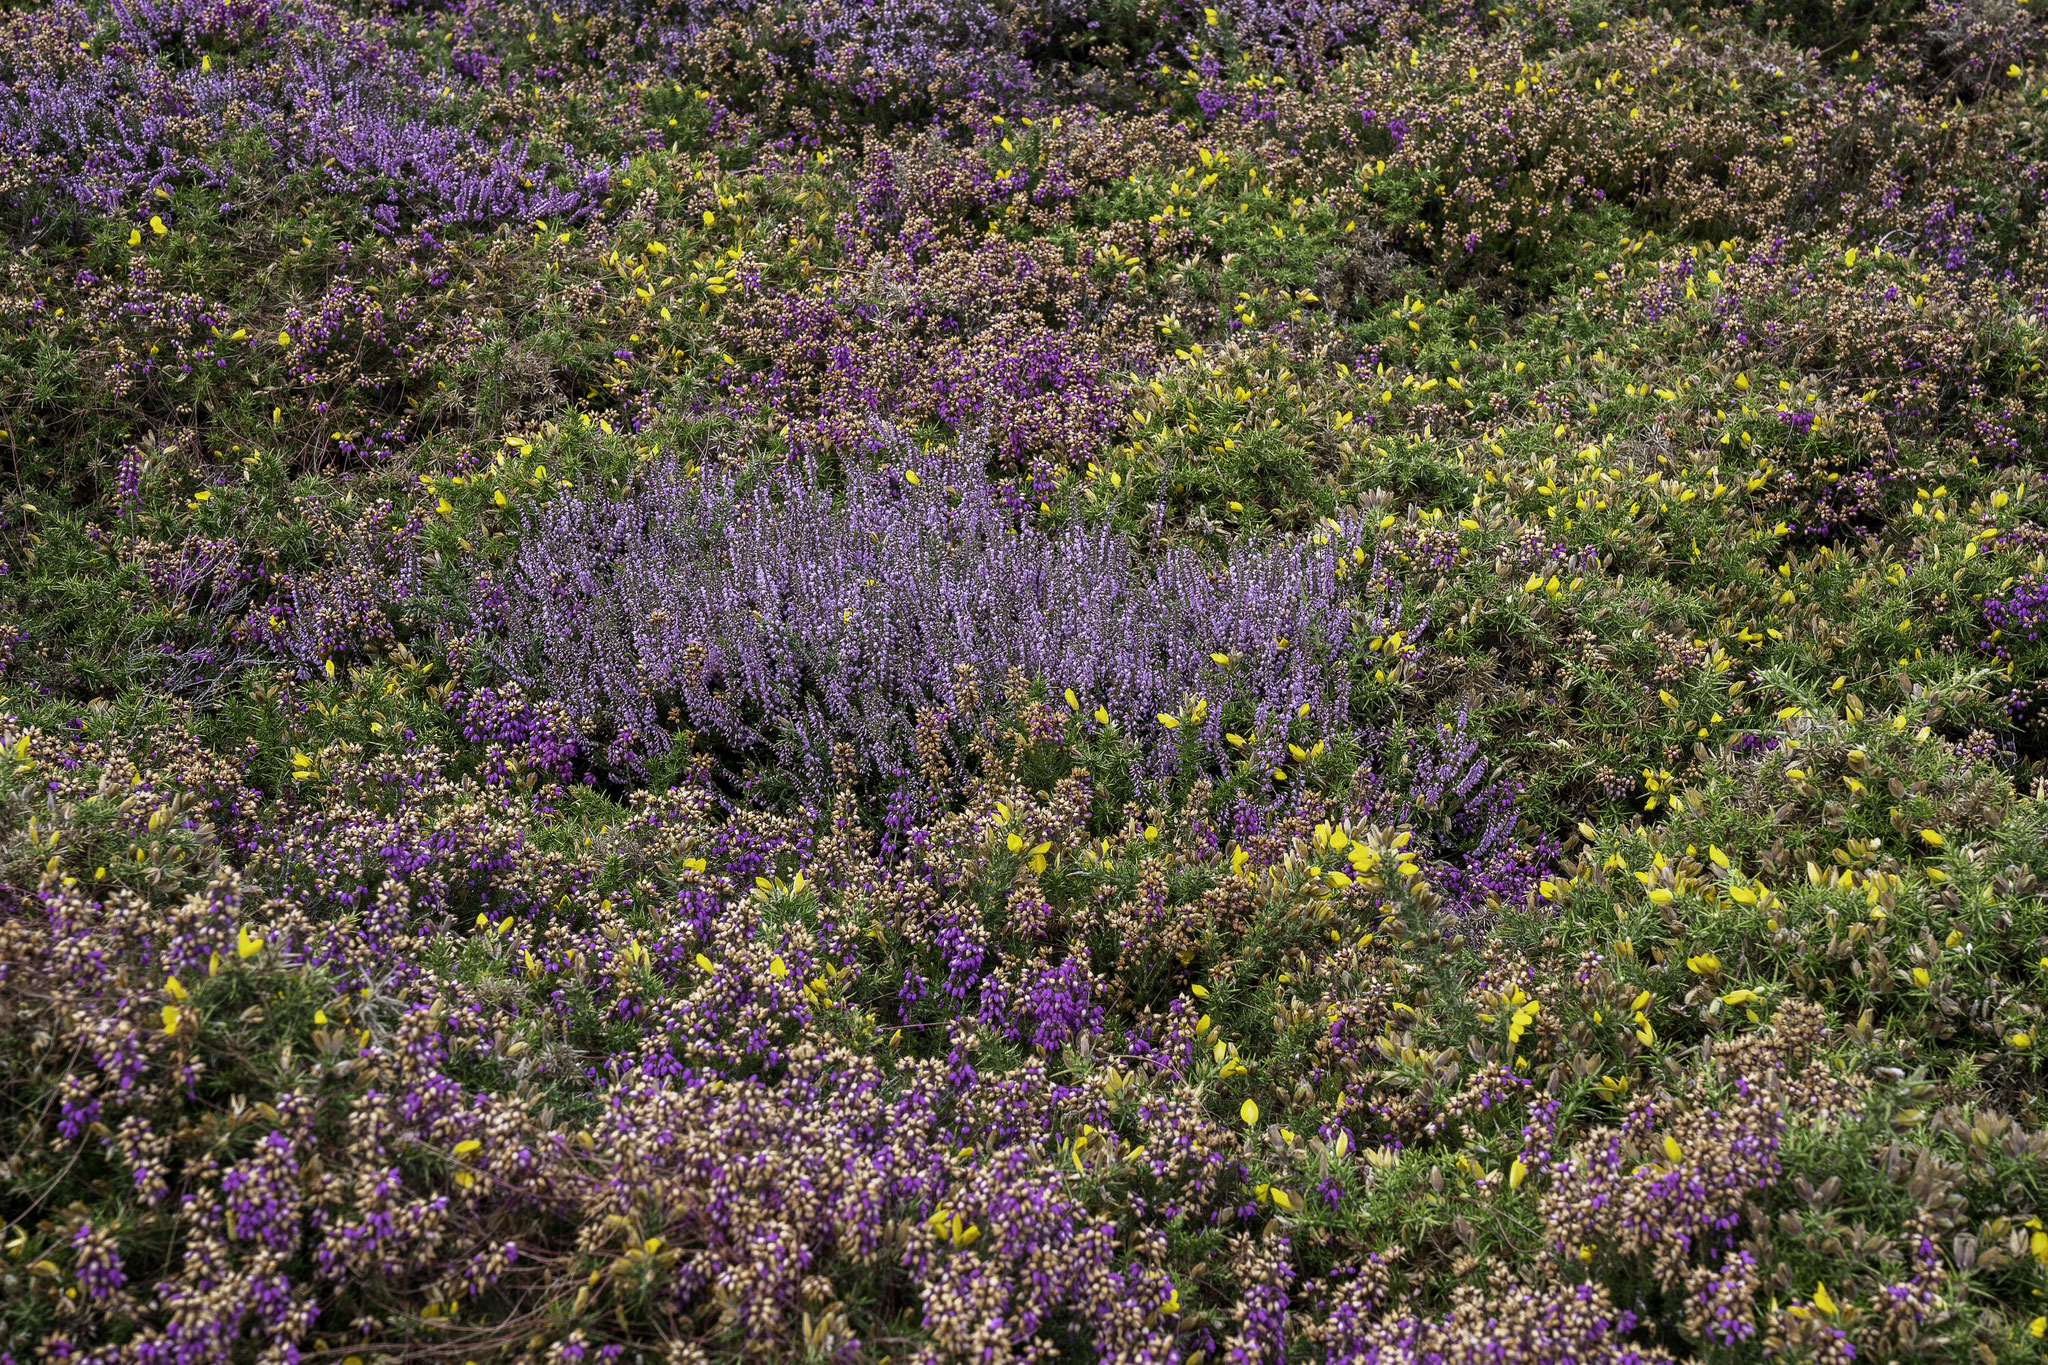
x=1021, y=680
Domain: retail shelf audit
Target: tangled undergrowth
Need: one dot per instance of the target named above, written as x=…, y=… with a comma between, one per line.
x=997, y=680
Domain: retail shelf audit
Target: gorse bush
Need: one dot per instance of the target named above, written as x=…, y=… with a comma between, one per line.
x=1272, y=682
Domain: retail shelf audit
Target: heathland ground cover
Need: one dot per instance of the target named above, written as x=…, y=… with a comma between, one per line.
x=1314, y=680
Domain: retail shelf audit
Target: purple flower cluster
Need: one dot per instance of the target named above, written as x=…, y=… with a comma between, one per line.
x=775, y=617
x=518, y=731
x=1051, y=1007
x=353, y=605
x=882, y=50
x=2021, y=612
x=307, y=90
x=1006, y=339
x=1506, y=1324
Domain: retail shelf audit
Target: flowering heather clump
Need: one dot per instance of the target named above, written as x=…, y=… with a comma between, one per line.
x=954, y=680
x=990, y=337
x=789, y=619
x=304, y=89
